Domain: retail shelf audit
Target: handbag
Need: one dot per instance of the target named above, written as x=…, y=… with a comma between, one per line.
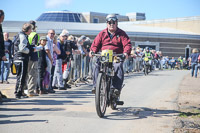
x=13, y=68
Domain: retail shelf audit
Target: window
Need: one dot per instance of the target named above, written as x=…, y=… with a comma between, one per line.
x=59, y=17
x=95, y=20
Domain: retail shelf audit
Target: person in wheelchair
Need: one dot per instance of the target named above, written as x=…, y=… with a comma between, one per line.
x=112, y=38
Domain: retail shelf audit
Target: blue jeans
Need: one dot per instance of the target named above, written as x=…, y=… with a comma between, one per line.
x=57, y=78
x=126, y=65
x=5, y=70
x=194, y=67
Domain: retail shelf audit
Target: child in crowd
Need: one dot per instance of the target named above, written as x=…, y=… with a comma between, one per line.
x=42, y=65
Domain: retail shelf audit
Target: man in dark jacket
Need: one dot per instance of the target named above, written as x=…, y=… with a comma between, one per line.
x=2, y=48
x=21, y=57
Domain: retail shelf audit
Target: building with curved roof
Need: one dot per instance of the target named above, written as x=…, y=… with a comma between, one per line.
x=171, y=41
x=60, y=16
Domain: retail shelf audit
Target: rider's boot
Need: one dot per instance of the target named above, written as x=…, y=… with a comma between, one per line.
x=93, y=90
x=117, y=92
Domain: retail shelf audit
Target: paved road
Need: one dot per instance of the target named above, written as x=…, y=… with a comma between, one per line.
x=150, y=106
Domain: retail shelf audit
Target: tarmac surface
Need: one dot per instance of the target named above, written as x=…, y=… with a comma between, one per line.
x=150, y=106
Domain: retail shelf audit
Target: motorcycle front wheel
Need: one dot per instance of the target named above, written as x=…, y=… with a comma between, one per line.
x=101, y=95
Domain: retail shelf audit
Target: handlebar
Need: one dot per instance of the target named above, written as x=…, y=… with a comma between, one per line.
x=93, y=54
x=121, y=56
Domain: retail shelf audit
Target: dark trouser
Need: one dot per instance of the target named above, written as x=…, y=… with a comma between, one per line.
x=194, y=69
x=118, y=78
x=0, y=65
x=21, y=67
x=52, y=74
x=173, y=65
x=41, y=73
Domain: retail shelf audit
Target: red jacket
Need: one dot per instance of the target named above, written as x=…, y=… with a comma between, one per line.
x=120, y=43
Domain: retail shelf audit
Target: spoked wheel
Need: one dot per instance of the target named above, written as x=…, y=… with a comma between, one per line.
x=145, y=70
x=101, y=95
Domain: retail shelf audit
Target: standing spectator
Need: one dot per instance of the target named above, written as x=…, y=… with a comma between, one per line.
x=58, y=78
x=138, y=59
x=194, y=62
x=133, y=56
x=2, y=48
x=5, y=65
x=88, y=64
x=49, y=57
x=198, y=62
x=42, y=65
x=68, y=47
x=172, y=63
x=32, y=75
x=56, y=52
x=84, y=53
x=156, y=59
x=126, y=65
x=74, y=61
x=21, y=57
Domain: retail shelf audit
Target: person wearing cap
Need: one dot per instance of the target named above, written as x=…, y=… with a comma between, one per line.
x=32, y=75
x=42, y=65
x=58, y=78
x=68, y=46
x=115, y=39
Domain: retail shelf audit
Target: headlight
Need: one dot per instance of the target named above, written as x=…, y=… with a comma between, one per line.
x=103, y=58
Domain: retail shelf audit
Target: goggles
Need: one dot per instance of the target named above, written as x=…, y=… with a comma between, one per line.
x=111, y=18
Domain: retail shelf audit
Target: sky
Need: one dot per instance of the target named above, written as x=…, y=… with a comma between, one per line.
x=25, y=10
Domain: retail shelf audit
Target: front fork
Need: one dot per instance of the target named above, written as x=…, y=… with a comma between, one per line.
x=111, y=97
x=109, y=90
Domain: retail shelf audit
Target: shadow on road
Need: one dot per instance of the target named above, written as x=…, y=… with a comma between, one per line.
x=69, y=97
x=31, y=109
x=7, y=116
x=134, y=113
x=133, y=75
x=20, y=121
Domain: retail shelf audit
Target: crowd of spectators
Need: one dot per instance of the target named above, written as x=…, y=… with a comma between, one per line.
x=57, y=61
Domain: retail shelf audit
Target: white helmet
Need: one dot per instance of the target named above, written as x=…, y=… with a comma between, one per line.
x=111, y=17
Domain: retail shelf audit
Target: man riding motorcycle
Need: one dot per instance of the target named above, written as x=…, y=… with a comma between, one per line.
x=112, y=38
x=148, y=54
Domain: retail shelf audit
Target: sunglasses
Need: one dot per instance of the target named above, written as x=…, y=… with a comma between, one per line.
x=111, y=22
x=52, y=33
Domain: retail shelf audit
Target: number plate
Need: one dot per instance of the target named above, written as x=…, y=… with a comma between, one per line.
x=108, y=54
